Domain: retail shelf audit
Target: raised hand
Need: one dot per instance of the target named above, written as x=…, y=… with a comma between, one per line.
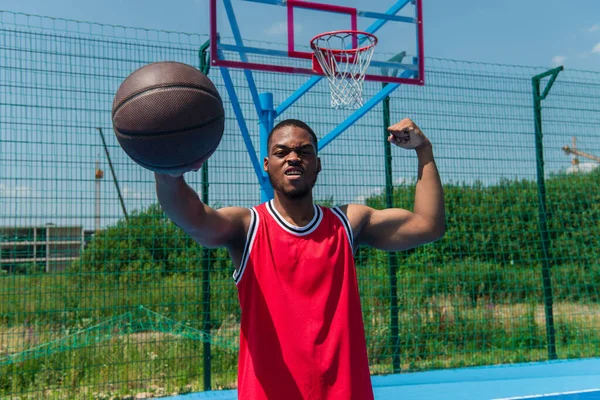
x=406, y=134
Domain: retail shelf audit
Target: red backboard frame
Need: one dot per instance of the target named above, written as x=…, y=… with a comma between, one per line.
x=292, y=52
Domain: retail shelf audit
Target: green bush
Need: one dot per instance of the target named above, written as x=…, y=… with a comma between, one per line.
x=499, y=223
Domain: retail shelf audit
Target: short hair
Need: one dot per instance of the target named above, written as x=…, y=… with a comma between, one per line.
x=298, y=124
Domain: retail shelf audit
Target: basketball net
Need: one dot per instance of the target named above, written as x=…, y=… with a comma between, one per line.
x=339, y=57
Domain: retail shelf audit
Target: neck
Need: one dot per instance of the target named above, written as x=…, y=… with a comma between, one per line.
x=298, y=212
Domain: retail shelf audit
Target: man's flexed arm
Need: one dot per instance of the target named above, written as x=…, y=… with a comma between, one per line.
x=397, y=229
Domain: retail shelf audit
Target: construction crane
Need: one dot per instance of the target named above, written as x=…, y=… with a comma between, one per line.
x=575, y=153
x=569, y=150
x=580, y=153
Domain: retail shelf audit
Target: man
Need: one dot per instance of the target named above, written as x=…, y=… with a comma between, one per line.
x=302, y=334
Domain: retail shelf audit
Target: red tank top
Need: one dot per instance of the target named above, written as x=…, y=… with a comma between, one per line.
x=302, y=333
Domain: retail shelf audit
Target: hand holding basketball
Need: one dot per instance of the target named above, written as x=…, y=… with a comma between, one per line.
x=177, y=173
x=406, y=134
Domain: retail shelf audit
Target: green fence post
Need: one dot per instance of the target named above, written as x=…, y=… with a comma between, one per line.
x=205, y=68
x=539, y=152
x=392, y=257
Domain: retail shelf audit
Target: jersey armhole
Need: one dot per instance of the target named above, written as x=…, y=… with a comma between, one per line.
x=251, y=235
x=340, y=214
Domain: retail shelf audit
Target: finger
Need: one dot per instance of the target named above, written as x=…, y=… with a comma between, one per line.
x=397, y=140
x=394, y=140
x=397, y=127
x=402, y=127
x=404, y=134
x=405, y=123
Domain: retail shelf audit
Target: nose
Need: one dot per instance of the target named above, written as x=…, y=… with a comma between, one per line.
x=293, y=158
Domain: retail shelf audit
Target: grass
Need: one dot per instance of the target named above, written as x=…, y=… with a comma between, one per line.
x=459, y=317
x=160, y=364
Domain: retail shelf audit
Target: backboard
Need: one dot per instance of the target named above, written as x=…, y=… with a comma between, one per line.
x=274, y=35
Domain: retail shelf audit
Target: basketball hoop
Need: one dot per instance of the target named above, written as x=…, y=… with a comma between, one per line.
x=343, y=56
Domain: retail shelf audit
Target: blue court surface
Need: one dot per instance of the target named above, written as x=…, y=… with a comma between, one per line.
x=553, y=380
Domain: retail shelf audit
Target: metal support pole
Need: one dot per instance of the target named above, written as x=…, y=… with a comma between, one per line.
x=206, y=325
x=112, y=170
x=392, y=256
x=266, y=118
x=542, y=205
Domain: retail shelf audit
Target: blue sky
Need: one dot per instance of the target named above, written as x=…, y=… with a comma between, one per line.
x=532, y=33
x=522, y=32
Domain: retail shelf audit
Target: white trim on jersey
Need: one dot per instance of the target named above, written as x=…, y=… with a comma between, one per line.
x=295, y=230
x=252, y=230
x=340, y=214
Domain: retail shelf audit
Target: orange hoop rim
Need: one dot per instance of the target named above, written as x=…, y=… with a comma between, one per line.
x=314, y=46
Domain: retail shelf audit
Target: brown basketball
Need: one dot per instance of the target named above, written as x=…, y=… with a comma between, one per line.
x=168, y=116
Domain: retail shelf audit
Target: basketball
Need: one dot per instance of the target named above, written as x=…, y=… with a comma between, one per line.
x=168, y=116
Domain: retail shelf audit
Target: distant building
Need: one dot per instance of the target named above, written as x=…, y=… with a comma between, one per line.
x=48, y=248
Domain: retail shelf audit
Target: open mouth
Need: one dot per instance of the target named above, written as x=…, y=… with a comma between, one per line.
x=294, y=173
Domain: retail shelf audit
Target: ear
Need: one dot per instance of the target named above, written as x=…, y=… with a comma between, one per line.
x=318, y=165
x=266, y=164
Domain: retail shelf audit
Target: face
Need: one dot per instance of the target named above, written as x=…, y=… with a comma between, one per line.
x=292, y=164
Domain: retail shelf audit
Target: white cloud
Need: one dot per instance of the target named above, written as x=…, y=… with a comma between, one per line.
x=596, y=48
x=281, y=28
x=278, y=28
x=129, y=193
x=558, y=60
x=594, y=28
x=15, y=191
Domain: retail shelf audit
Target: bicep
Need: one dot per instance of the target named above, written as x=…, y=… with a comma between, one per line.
x=394, y=229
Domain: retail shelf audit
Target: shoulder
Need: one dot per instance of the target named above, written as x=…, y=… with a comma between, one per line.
x=246, y=222
x=357, y=215
x=241, y=217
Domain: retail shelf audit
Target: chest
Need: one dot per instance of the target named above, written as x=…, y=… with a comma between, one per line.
x=302, y=261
